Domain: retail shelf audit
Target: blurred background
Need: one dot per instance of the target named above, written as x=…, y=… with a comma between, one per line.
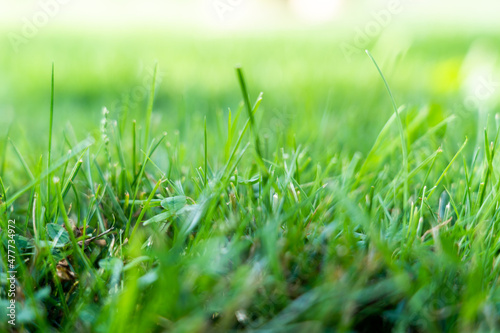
x=307, y=56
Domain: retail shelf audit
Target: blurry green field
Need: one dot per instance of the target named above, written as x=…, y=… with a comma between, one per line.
x=304, y=75
x=319, y=224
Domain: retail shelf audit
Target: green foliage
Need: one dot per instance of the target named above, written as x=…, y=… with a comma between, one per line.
x=129, y=229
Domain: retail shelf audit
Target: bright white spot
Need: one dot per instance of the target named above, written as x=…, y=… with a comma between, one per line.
x=315, y=10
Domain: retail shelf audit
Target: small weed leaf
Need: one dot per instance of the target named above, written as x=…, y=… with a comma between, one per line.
x=174, y=204
x=58, y=234
x=114, y=266
x=111, y=264
x=23, y=243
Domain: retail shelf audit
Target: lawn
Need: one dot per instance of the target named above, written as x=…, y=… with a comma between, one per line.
x=148, y=185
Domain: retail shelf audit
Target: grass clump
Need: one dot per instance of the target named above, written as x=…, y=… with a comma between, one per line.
x=120, y=231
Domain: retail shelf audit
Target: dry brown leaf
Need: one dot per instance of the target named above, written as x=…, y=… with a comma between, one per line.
x=436, y=228
x=64, y=272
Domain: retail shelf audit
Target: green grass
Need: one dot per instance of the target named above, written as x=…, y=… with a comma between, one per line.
x=347, y=213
